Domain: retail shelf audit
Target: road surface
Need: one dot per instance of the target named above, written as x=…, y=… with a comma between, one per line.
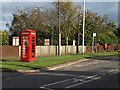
x=100, y=72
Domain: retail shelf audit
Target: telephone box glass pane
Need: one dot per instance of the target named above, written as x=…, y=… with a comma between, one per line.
x=33, y=46
x=24, y=46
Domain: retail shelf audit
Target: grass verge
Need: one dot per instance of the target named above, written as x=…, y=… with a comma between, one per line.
x=42, y=62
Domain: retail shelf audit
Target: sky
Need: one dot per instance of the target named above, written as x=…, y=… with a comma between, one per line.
x=102, y=7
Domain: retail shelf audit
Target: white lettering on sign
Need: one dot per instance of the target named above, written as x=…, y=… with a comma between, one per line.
x=33, y=33
x=25, y=33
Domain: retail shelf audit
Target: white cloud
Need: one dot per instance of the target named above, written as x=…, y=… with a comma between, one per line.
x=3, y=25
x=7, y=17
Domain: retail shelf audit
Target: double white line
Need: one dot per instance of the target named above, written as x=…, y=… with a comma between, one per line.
x=76, y=79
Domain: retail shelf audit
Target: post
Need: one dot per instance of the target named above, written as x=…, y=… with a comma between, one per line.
x=93, y=45
x=52, y=37
x=94, y=35
x=83, y=28
x=8, y=38
x=59, y=32
x=78, y=43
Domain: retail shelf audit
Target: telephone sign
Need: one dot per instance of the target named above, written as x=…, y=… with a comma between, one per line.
x=28, y=45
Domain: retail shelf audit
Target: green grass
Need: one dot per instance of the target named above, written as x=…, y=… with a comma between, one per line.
x=48, y=61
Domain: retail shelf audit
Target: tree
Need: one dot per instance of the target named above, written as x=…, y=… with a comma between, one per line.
x=67, y=20
x=52, y=23
x=117, y=33
x=106, y=38
x=78, y=26
x=100, y=25
x=4, y=37
x=33, y=18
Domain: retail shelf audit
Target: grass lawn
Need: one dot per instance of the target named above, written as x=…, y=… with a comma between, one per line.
x=48, y=61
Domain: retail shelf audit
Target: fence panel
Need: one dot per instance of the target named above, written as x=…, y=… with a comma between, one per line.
x=53, y=50
x=89, y=49
x=111, y=48
x=9, y=51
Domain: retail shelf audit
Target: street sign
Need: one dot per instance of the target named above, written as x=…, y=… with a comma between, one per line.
x=94, y=34
x=73, y=42
x=47, y=42
x=15, y=41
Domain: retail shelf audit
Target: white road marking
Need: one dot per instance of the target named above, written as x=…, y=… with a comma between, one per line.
x=83, y=79
x=75, y=79
x=113, y=71
x=83, y=82
x=8, y=78
x=61, y=81
x=46, y=88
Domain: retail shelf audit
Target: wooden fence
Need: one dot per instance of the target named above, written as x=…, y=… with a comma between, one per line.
x=100, y=48
x=15, y=51
x=111, y=48
x=9, y=51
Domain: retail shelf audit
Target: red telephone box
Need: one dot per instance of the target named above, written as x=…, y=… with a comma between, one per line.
x=28, y=45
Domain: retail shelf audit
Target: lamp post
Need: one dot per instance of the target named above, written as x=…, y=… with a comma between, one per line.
x=83, y=28
x=59, y=31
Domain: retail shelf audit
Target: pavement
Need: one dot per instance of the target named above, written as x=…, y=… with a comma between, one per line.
x=55, y=67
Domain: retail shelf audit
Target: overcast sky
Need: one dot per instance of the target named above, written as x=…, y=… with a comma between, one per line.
x=8, y=7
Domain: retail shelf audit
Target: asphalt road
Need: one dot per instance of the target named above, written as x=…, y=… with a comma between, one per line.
x=101, y=72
